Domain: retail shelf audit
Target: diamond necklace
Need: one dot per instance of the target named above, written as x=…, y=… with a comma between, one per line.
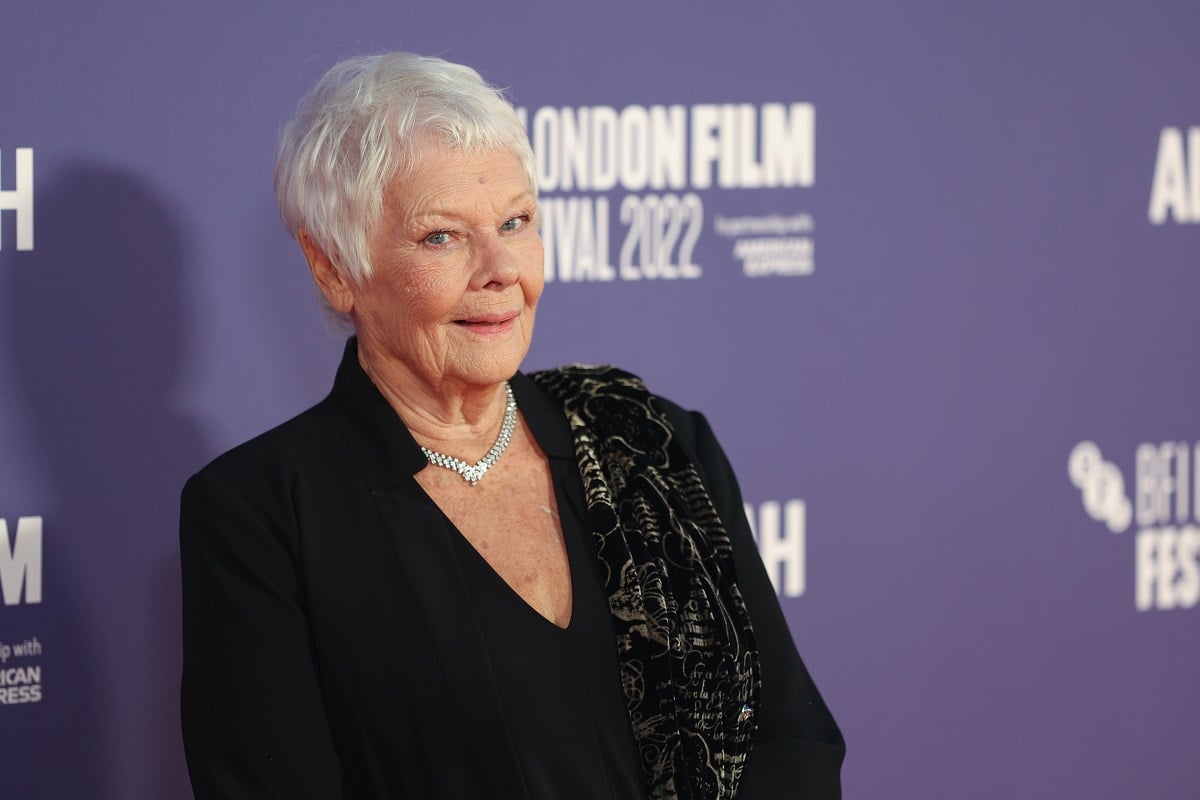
x=472, y=473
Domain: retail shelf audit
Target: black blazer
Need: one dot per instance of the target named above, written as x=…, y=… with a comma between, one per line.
x=330, y=647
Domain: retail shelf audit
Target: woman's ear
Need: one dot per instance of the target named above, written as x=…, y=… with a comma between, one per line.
x=330, y=281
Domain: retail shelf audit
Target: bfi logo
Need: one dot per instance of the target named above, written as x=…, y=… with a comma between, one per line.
x=780, y=531
x=20, y=199
x=21, y=561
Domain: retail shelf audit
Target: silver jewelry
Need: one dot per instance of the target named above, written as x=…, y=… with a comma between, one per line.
x=472, y=473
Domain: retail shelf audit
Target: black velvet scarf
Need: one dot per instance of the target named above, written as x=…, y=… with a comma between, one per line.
x=689, y=667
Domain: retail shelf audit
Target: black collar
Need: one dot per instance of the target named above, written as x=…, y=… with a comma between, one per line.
x=386, y=450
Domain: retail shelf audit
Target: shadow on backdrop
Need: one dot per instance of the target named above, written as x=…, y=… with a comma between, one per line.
x=94, y=324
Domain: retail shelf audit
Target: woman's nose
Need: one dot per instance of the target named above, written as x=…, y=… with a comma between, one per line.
x=495, y=263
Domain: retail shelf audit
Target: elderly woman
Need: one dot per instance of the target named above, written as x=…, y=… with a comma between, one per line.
x=450, y=579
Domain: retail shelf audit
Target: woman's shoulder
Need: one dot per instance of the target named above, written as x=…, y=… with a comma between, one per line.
x=290, y=445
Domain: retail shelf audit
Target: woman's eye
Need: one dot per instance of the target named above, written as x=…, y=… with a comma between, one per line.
x=439, y=238
x=514, y=223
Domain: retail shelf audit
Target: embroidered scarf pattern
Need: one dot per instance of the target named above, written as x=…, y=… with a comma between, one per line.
x=689, y=667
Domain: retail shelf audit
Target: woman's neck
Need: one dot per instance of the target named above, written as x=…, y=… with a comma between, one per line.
x=451, y=417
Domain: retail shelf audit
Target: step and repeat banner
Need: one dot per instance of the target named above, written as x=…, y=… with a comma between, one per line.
x=931, y=270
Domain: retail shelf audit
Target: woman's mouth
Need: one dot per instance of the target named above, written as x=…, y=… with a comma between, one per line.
x=488, y=323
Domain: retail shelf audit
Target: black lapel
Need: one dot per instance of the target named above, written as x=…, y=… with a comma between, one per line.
x=419, y=535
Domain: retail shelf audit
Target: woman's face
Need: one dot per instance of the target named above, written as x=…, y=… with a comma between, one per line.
x=457, y=272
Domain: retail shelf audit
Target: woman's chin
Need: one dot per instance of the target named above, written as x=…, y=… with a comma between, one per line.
x=485, y=372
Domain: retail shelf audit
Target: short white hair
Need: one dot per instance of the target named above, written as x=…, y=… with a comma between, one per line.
x=362, y=126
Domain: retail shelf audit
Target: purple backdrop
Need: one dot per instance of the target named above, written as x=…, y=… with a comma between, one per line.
x=930, y=270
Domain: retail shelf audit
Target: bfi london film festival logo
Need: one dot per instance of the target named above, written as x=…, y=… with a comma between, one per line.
x=1175, y=190
x=661, y=156
x=20, y=583
x=1165, y=508
x=19, y=198
x=780, y=530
